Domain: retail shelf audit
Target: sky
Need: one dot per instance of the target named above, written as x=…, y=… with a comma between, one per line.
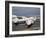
x=25, y=11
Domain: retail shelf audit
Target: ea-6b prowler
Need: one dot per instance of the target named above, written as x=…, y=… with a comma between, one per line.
x=27, y=20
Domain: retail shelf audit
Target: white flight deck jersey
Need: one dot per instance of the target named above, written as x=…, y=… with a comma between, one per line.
x=28, y=22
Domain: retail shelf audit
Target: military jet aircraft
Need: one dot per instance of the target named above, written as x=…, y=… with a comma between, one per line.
x=27, y=20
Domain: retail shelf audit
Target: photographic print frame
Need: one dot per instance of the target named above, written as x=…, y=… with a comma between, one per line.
x=7, y=14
